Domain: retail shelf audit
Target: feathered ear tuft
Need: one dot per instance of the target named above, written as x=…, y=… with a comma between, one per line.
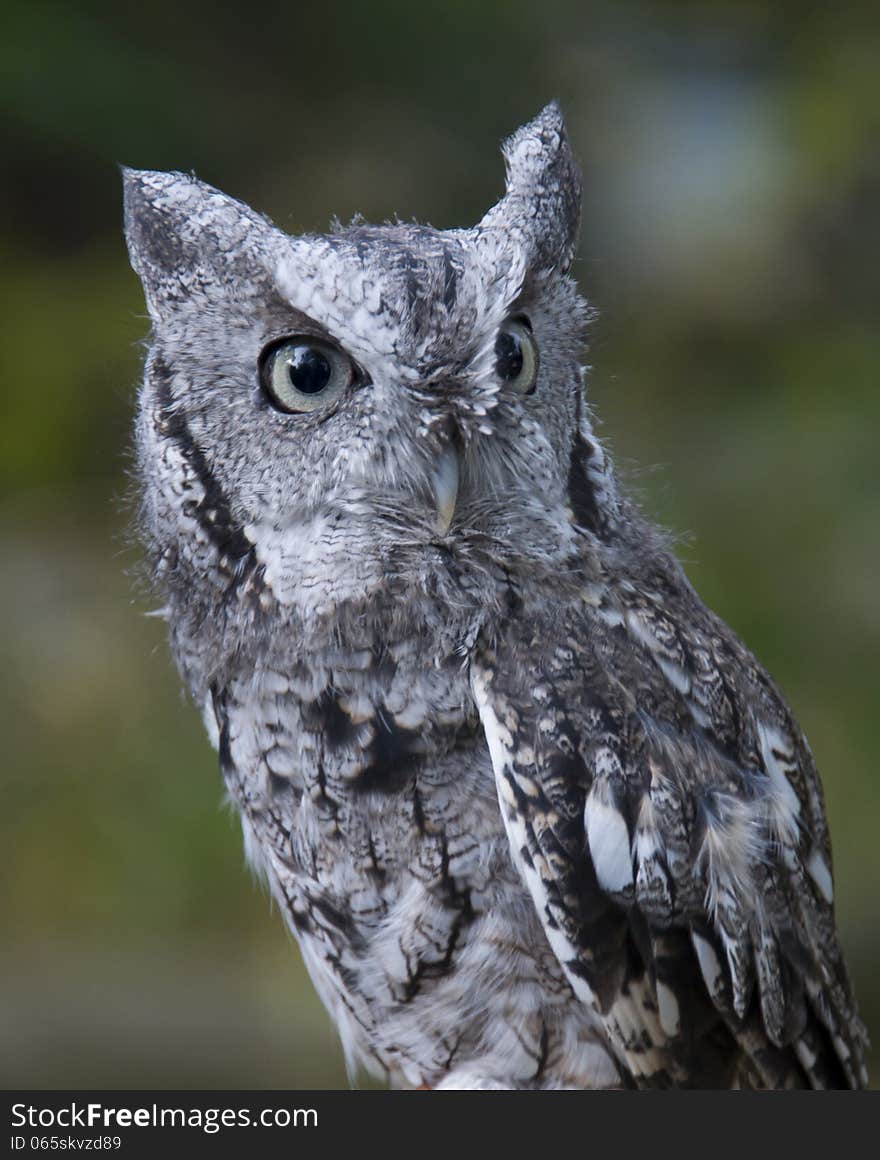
x=542, y=205
x=184, y=237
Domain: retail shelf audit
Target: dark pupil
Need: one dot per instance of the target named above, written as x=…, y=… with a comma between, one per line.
x=508, y=355
x=308, y=369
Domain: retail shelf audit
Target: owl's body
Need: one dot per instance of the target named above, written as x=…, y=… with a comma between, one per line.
x=388, y=853
x=536, y=817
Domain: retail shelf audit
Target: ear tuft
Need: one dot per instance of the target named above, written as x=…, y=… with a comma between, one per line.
x=543, y=200
x=184, y=237
x=536, y=147
x=158, y=211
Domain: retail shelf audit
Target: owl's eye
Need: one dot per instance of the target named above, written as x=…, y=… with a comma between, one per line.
x=304, y=374
x=516, y=356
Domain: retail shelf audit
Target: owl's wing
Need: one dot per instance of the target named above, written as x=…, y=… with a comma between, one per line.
x=666, y=815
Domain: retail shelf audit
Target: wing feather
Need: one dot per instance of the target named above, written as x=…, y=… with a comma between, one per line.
x=667, y=818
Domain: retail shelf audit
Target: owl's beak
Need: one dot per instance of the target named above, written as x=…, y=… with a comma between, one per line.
x=444, y=480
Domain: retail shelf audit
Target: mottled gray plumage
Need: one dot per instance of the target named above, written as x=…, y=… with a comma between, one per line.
x=536, y=816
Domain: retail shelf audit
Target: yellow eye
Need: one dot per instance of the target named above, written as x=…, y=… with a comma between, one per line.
x=516, y=356
x=304, y=374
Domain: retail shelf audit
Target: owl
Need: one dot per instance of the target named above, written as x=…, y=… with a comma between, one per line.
x=536, y=816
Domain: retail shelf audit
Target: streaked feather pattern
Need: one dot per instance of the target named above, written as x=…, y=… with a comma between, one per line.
x=678, y=859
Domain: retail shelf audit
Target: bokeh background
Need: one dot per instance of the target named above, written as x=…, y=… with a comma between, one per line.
x=731, y=237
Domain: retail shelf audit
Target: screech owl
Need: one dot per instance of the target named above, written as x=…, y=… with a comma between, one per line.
x=536, y=816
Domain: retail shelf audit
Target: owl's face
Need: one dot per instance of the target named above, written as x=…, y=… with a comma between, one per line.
x=373, y=409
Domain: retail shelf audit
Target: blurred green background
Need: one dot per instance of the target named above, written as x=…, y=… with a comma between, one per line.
x=731, y=155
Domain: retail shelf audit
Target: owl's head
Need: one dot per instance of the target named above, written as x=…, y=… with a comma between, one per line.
x=328, y=420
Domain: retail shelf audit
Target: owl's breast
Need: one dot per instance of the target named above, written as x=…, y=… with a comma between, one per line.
x=368, y=800
x=376, y=738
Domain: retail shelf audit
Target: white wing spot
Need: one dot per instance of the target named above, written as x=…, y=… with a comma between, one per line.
x=821, y=874
x=710, y=967
x=608, y=838
x=779, y=761
x=210, y=719
x=667, y=1004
